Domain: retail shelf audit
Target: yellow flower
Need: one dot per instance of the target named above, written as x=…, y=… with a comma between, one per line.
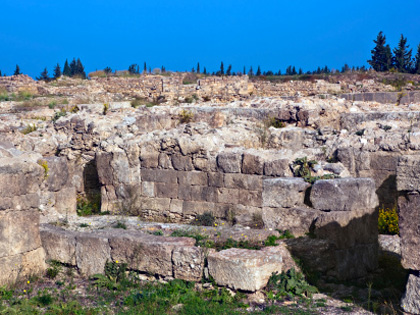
x=29, y=281
x=24, y=291
x=116, y=261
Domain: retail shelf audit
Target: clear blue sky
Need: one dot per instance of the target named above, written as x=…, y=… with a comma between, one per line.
x=179, y=33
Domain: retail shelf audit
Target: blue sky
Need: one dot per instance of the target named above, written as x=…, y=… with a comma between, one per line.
x=179, y=33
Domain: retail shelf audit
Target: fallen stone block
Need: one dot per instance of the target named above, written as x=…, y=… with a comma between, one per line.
x=92, y=253
x=59, y=244
x=242, y=269
x=188, y=263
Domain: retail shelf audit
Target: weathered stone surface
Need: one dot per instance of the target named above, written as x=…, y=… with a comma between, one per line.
x=92, y=252
x=66, y=201
x=411, y=299
x=182, y=163
x=252, y=164
x=298, y=220
x=146, y=253
x=344, y=194
x=390, y=243
x=409, y=218
x=59, y=244
x=19, y=232
x=58, y=172
x=284, y=192
x=243, y=269
x=161, y=176
x=166, y=190
x=346, y=229
x=278, y=168
x=408, y=173
x=188, y=263
x=230, y=162
x=33, y=263
x=192, y=178
x=243, y=181
x=10, y=269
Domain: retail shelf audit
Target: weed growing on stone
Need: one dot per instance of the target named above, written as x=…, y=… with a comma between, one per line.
x=388, y=221
x=54, y=269
x=185, y=116
x=302, y=168
x=120, y=225
x=88, y=206
x=28, y=129
x=205, y=219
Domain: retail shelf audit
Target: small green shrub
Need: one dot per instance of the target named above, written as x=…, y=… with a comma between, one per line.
x=158, y=233
x=44, y=299
x=388, y=221
x=302, y=168
x=83, y=225
x=185, y=116
x=120, y=225
x=44, y=165
x=29, y=128
x=274, y=122
x=52, y=104
x=289, y=284
x=54, y=269
x=206, y=219
x=88, y=205
x=105, y=109
x=59, y=114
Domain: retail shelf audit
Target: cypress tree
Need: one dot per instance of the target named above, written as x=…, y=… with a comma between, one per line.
x=57, y=71
x=300, y=71
x=73, y=67
x=294, y=70
x=145, y=67
x=44, y=76
x=402, y=56
x=205, y=70
x=250, y=72
x=198, y=67
x=381, y=59
x=0, y=73
x=66, y=69
x=229, y=70
x=258, y=71
x=244, y=71
x=80, y=69
x=222, y=69
x=17, y=70
x=416, y=68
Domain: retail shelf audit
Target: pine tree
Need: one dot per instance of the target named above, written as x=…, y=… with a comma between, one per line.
x=0, y=73
x=222, y=69
x=258, y=71
x=345, y=68
x=80, y=69
x=244, y=71
x=402, y=56
x=205, y=70
x=294, y=70
x=132, y=69
x=73, y=67
x=289, y=70
x=66, y=69
x=229, y=70
x=108, y=70
x=381, y=54
x=17, y=70
x=145, y=68
x=44, y=76
x=57, y=71
x=198, y=67
x=416, y=67
x=250, y=72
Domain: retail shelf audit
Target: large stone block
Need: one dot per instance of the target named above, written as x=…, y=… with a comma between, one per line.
x=408, y=173
x=230, y=162
x=284, y=192
x=160, y=176
x=92, y=253
x=192, y=178
x=227, y=195
x=409, y=218
x=243, y=269
x=411, y=300
x=243, y=181
x=298, y=220
x=252, y=164
x=166, y=190
x=58, y=172
x=19, y=232
x=146, y=253
x=33, y=263
x=10, y=269
x=344, y=194
x=216, y=179
x=278, y=168
x=182, y=163
x=188, y=263
x=59, y=244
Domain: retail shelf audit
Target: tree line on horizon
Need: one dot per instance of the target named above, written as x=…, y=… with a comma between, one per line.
x=383, y=58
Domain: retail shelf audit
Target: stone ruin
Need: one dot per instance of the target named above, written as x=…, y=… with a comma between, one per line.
x=165, y=165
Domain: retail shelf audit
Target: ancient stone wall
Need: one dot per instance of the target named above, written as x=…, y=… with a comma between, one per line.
x=21, y=254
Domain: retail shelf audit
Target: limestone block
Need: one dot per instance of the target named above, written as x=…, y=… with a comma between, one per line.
x=408, y=173
x=65, y=201
x=92, y=252
x=164, y=161
x=166, y=190
x=297, y=220
x=390, y=243
x=155, y=204
x=411, y=300
x=278, y=168
x=252, y=164
x=58, y=172
x=182, y=163
x=242, y=269
x=19, y=232
x=216, y=179
x=187, y=146
x=243, y=181
x=230, y=162
x=149, y=156
x=192, y=178
x=33, y=263
x=344, y=194
x=250, y=198
x=227, y=195
x=284, y=192
x=59, y=244
x=160, y=176
x=197, y=207
x=409, y=218
x=146, y=253
x=148, y=189
x=189, y=193
x=346, y=229
x=10, y=269
x=176, y=206
x=188, y=263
